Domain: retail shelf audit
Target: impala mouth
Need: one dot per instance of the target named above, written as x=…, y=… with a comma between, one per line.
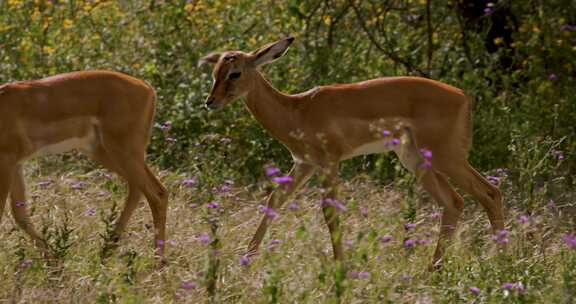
x=211, y=103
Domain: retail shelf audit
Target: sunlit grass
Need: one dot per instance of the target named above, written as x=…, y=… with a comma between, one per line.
x=295, y=261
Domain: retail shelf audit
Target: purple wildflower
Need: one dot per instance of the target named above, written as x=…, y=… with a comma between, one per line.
x=171, y=139
x=212, y=205
x=272, y=171
x=409, y=226
x=160, y=243
x=44, y=184
x=427, y=154
x=334, y=203
x=558, y=154
x=508, y=286
x=570, y=240
x=293, y=206
x=364, y=211
x=494, y=180
x=364, y=274
x=270, y=212
x=523, y=219
x=568, y=27
x=25, y=264
x=426, y=164
x=358, y=274
x=193, y=205
x=386, y=133
x=474, y=290
x=90, y=212
x=273, y=244
x=517, y=286
x=77, y=186
x=281, y=180
x=204, y=238
x=487, y=10
x=501, y=237
x=244, y=260
x=552, y=77
x=423, y=242
x=20, y=204
x=395, y=141
x=385, y=238
x=225, y=140
x=167, y=126
x=189, y=182
x=436, y=215
x=501, y=171
x=409, y=243
x=188, y=285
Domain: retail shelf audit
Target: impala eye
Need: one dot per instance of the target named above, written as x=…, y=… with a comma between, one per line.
x=234, y=75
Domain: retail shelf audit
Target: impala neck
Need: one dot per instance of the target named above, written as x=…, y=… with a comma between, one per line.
x=271, y=108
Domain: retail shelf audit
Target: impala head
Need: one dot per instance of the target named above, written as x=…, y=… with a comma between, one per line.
x=232, y=71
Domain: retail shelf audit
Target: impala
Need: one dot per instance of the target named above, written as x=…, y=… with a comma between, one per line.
x=326, y=125
x=106, y=115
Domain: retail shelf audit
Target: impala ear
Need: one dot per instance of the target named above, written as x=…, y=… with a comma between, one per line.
x=211, y=58
x=271, y=52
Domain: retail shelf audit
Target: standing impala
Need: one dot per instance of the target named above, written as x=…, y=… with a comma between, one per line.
x=106, y=115
x=326, y=125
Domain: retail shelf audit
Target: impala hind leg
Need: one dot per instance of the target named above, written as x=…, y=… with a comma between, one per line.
x=330, y=210
x=452, y=203
x=18, y=204
x=300, y=173
x=128, y=156
x=487, y=194
x=134, y=195
x=6, y=174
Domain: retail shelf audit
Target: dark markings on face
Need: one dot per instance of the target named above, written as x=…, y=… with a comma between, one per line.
x=231, y=57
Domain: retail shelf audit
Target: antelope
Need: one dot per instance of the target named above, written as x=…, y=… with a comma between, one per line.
x=106, y=115
x=326, y=125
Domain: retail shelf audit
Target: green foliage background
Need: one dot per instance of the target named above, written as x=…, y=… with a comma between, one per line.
x=521, y=114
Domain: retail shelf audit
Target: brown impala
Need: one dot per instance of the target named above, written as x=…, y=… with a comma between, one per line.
x=106, y=115
x=329, y=124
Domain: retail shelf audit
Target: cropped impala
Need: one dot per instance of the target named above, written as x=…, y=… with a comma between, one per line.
x=106, y=115
x=429, y=120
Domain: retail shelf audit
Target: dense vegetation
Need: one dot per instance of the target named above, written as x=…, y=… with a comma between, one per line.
x=516, y=59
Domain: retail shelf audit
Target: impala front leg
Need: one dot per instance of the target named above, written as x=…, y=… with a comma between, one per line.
x=300, y=173
x=18, y=196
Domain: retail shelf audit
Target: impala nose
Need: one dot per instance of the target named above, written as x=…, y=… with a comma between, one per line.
x=210, y=102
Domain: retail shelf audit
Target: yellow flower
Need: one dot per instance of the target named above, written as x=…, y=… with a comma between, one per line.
x=67, y=23
x=189, y=7
x=35, y=14
x=14, y=3
x=48, y=50
x=24, y=45
x=498, y=40
x=536, y=29
x=327, y=20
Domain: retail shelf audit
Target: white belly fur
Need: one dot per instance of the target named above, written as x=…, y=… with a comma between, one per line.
x=406, y=151
x=81, y=143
